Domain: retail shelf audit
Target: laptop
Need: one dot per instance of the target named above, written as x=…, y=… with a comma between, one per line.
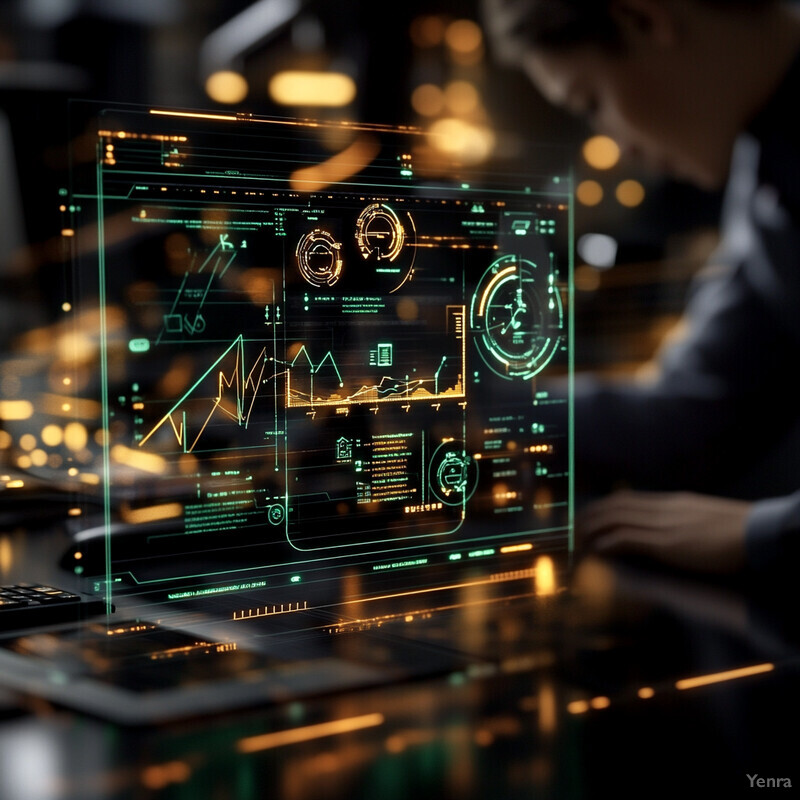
x=321, y=357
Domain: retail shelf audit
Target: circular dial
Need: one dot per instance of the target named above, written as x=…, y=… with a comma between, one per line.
x=319, y=258
x=387, y=241
x=453, y=473
x=516, y=317
x=379, y=233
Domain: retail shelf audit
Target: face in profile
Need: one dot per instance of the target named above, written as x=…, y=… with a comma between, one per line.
x=651, y=100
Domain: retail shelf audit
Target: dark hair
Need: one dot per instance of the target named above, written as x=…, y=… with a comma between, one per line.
x=514, y=26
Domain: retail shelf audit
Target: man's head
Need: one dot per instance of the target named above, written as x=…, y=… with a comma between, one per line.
x=673, y=81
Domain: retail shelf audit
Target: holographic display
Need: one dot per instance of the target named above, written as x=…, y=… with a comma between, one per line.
x=316, y=366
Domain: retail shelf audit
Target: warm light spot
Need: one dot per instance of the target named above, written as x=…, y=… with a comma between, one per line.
x=138, y=459
x=16, y=409
x=543, y=501
x=307, y=88
x=500, y=494
x=52, y=435
x=407, y=309
x=646, y=692
x=38, y=457
x=75, y=512
x=427, y=100
x=5, y=440
x=630, y=193
x=337, y=168
x=578, y=707
x=483, y=737
x=601, y=152
x=66, y=381
x=395, y=744
x=27, y=441
x=67, y=232
x=72, y=471
x=226, y=86
x=90, y=478
x=6, y=555
x=545, y=576
x=187, y=464
x=600, y=702
x=77, y=555
x=75, y=436
x=100, y=436
x=463, y=140
x=589, y=193
x=24, y=462
x=293, y=349
x=587, y=279
x=463, y=36
x=719, y=677
x=139, y=516
x=15, y=484
x=66, y=306
x=461, y=97
x=177, y=246
x=266, y=741
x=59, y=405
x=160, y=775
x=548, y=710
x=427, y=31
x=259, y=283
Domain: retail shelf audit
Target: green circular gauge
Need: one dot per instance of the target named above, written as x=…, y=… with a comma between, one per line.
x=453, y=473
x=516, y=317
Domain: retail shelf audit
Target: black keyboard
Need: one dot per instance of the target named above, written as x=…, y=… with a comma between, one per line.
x=26, y=605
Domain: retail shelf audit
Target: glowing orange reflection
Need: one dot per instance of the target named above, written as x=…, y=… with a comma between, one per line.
x=266, y=741
x=337, y=168
x=719, y=677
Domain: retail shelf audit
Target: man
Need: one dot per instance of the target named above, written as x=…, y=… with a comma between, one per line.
x=705, y=91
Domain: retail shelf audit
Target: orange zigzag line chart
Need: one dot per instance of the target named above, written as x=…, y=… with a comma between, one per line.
x=236, y=392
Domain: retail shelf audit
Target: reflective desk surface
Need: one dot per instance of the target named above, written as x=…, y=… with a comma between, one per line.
x=623, y=683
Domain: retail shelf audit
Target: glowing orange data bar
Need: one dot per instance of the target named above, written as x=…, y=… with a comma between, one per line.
x=266, y=741
x=496, y=578
x=302, y=123
x=223, y=117
x=516, y=548
x=719, y=677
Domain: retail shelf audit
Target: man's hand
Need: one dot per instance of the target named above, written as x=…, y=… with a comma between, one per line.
x=688, y=531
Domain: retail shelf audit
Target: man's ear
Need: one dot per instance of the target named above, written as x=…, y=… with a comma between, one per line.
x=647, y=22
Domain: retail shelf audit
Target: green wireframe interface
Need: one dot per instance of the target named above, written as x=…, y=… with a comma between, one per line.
x=324, y=349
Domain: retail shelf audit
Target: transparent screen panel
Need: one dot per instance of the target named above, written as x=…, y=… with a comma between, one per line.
x=325, y=353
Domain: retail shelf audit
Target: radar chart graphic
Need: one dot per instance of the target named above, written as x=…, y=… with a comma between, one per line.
x=516, y=317
x=319, y=258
